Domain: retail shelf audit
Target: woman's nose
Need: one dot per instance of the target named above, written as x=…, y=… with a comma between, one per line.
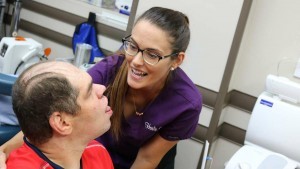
x=138, y=58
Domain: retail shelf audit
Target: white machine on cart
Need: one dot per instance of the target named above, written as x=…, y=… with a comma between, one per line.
x=273, y=135
x=17, y=53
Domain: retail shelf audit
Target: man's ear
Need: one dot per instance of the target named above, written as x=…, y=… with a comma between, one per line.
x=60, y=123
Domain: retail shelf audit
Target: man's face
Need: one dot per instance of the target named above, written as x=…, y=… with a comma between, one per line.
x=93, y=119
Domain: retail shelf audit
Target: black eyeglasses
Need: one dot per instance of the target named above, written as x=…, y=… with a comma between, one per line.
x=148, y=56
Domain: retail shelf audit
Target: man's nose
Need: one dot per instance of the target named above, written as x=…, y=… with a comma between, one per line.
x=100, y=90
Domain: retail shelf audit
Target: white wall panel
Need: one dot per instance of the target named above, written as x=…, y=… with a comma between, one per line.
x=205, y=116
x=236, y=117
x=188, y=154
x=272, y=33
x=223, y=151
x=105, y=16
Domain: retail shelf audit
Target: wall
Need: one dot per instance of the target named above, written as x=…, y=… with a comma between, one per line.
x=272, y=33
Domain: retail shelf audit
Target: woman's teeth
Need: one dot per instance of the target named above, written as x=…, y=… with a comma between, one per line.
x=138, y=73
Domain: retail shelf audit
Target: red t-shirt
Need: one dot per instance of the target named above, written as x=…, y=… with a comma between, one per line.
x=95, y=156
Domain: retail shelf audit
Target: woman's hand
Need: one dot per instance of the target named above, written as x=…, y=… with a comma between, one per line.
x=2, y=160
x=151, y=154
x=8, y=147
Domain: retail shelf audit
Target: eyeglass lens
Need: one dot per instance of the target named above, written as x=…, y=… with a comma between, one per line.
x=132, y=49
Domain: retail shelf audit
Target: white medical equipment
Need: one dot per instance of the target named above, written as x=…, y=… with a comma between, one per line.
x=284, y=88
x=17, y=53
x=272, y=138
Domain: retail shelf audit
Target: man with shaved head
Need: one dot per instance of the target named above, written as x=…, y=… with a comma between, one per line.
x=60, y=112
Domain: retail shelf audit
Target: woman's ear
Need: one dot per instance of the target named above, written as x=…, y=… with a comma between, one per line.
x=60, y=123
x=178, y=60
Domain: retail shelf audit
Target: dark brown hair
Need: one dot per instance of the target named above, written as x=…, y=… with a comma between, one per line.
x=36, y=96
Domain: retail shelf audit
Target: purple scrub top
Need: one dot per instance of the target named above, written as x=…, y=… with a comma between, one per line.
x=174, y=114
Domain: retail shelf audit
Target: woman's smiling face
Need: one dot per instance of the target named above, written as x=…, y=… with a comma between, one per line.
x=142, y=75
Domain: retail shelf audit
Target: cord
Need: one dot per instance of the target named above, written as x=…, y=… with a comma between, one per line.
x=18, y=67
x=22, y=62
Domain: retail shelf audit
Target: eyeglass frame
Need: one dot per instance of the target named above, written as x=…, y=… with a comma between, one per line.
x=142, y=51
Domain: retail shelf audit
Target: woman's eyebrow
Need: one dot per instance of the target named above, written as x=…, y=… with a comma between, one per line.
x=131, y=39
x=149, y=49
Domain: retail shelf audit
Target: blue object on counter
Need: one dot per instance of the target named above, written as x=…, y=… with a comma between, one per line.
x=6, y=83
x=125, y=12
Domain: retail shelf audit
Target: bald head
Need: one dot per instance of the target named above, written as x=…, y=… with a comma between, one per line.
x=41, y=90
x=63, y=68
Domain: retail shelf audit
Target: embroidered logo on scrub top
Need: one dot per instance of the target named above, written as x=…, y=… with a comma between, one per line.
x=150, y=127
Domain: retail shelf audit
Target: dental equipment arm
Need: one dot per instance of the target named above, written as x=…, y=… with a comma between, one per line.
x=14, y=25
x=2, y=11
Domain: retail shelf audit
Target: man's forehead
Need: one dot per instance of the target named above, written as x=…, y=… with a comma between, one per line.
x=56, y=67
x=51, y=66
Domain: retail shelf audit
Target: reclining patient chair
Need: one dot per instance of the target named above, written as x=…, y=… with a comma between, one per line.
x=8, y=121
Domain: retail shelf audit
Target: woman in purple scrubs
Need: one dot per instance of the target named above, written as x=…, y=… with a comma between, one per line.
x=155, y=103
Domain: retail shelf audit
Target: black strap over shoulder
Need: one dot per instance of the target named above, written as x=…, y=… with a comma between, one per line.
x=92, y=18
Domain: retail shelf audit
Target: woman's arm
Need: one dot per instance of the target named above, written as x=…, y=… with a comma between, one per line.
x=2, y=160
x=151, y=153
x=8, y=147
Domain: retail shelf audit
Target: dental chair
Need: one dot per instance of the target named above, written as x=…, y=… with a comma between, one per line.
x=8, y=121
